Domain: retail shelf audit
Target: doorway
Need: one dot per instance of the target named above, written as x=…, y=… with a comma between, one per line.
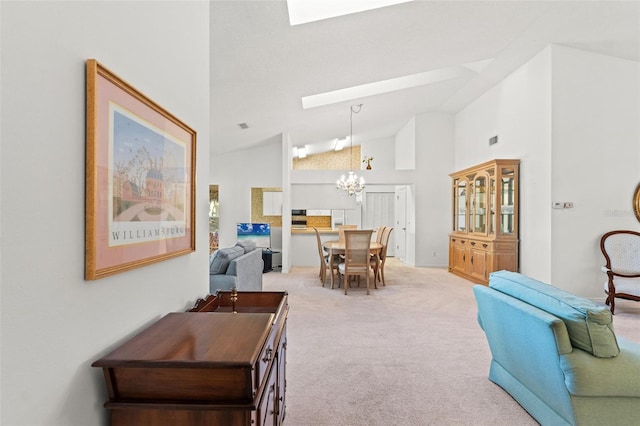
x=400, y=227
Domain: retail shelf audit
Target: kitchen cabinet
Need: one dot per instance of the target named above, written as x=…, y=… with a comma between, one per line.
x=484, y=235
x=318, y=212
x=272, y=203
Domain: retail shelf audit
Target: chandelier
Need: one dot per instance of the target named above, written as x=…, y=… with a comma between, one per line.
x=351, y=184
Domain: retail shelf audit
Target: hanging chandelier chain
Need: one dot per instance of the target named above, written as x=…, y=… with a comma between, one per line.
x=359, y=106
x=351, y=184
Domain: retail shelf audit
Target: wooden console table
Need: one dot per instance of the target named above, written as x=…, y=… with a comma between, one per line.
x=221, y=363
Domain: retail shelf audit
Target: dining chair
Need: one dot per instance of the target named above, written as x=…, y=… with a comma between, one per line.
x=325, y=260
x=378, y=264
x=379, y=233
x=342, y=228
x=356, y=257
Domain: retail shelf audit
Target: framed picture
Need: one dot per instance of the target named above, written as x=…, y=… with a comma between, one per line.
x=140, y=178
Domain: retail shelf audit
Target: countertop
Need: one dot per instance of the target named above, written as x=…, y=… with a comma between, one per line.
x=310, y=230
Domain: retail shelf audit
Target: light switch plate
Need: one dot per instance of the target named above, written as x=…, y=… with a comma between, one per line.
x=563, y=205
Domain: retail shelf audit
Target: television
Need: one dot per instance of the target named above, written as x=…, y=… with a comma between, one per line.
x=258, y=232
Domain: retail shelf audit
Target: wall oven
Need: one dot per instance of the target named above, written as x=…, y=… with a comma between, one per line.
x=298, y=219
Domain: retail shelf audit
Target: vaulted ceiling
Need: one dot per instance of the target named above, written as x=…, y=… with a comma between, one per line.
x=262, y=67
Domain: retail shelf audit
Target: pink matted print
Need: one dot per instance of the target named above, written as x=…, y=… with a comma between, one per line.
x=140, y=178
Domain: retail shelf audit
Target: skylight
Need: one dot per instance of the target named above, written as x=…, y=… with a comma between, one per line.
x=385, y=86
x=305, y=11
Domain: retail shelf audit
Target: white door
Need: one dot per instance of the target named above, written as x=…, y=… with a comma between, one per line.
x=400, y=227
x=380, y=211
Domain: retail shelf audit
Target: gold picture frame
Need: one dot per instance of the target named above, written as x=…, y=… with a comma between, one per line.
x=636, y=202
x=140, y=178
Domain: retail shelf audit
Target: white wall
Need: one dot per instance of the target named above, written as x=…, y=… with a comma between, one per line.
x=434, y=154
x=405, y=146
x=518, y=110
x=572, y=119
x=236, y=173
x=382, y=151
x=596, y=143
x=55, y=324
x=321, y=197
x=287, y=156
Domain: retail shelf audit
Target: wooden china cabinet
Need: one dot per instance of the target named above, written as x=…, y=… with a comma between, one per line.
x=484, y=236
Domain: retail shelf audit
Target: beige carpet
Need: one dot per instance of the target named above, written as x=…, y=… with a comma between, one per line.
x=411, y=353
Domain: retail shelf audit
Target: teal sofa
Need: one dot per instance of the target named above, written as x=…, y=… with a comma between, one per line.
x=557, y=354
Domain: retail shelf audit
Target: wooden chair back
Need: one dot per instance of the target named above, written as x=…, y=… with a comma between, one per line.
x=621, y=250
x=356, y=256
x=378, y=263
x=385, y=242
x=356, y=253
x=324, y=260
x=342, y=228
x=319, y=241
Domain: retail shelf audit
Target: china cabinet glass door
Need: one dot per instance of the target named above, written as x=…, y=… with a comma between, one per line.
x=492, y=203
x=507, y=194
x=479, y=220
x=460, y=205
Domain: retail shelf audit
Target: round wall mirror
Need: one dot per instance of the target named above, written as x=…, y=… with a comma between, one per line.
x=636, y=202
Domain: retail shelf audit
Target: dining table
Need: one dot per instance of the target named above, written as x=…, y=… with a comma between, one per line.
x=337, y=247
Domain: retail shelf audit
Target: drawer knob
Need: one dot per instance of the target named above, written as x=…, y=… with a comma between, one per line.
x=485, y=245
